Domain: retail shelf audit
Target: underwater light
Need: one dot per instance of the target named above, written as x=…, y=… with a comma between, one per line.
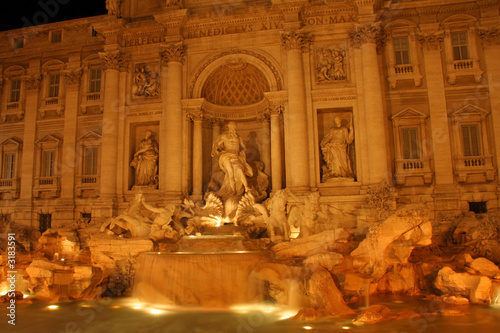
x=346, y=327
x=53, y=307
x=307, y=328
x=156, y=311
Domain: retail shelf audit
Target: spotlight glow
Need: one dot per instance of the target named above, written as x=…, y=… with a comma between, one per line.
x=156, y=311
x=346, y=328
x=53, y=307
x=307, y=328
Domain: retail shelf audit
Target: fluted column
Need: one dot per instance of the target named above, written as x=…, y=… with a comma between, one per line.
x=366, y=37
x=114, y=61
x=68, y=168
x=443, y=163
x=491, y=42
x=171, y=156
x=197, y=119
x=276, y=151
x=297, y=147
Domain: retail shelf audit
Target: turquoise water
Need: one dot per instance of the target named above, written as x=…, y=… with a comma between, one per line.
x=127, y=315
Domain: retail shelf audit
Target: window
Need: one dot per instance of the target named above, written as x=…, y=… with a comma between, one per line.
x=471, y=140
x=460, y=45
x=401, y=50
x=409, y=136
x=90, y=161
x=95, y=80
x=56, y=36
x=45, y=222
x=54, y=85
x=48, y=163
x=9, y=165
x=15, y=90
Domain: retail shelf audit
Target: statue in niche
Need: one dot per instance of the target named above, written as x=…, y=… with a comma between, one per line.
x=334, y=147
x=230, y=149
x=146, y=82
x=145, y=161
x=331, y=64
x=113, y=7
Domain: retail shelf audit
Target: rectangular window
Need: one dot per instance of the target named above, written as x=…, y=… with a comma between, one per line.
x=18, y=42
x=48, y=163
x=9, y=164
x=471, y=141
x=54, y=85
x=56, y=36
x=45, y=222
x=90, y=161
x=401, y=50
x=15, y=90
x=95, y=80
x=460, y=45
x=410, y=143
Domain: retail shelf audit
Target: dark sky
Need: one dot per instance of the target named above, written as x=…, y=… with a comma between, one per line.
x=18, y=13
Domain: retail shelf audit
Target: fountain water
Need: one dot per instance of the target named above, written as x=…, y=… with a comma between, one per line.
x=207, y=279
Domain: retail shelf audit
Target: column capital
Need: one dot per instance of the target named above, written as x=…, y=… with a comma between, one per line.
x=115, y=60
x=264, y=117
x=431, y=41
x=490, y=36
x=293, y=40
x=212, y=122
x=73, y=76
x=32, y=81
x=173, y=52
x=195, y=115
x=367, y=33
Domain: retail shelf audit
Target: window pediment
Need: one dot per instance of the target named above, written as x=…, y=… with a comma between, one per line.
x=409, y=113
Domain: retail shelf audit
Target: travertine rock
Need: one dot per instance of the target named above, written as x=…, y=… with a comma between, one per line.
x=477, y=288
x=399, y=279
x=326, y=294
x=455, y=300
x=484, y=267
x=64, y=242
x=329, y=240
x=393, y=240
x=377, y=313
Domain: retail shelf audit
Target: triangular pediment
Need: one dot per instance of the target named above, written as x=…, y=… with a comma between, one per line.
x=469, y=110
x=11, y=142
x=90, y=136
x=409, y=113
x=49, y=139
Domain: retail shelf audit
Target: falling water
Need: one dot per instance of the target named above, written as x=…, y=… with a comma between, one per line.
x=208, y=279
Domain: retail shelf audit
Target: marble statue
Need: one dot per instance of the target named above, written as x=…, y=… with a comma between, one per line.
x=334, y=147
x=131, y=219
x=307, y=221
x=145, y=161
x=277, y=222
x=113, y=7
x=230, y=149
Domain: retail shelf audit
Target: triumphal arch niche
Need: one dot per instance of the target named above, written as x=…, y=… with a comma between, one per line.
x=237, y=92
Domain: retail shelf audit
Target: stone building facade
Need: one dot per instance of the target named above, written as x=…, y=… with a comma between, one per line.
x=402, y=92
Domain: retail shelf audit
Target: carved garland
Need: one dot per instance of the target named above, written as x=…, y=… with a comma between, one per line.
x=490, y=36
x=431, y=41
x=73, y=77
x=32, y=81
x=231, y=52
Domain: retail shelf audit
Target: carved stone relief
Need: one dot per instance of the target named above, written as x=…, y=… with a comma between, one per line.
x=146, y=82
x=331, y=64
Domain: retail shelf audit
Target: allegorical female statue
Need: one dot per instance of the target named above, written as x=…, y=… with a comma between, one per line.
x=145, y=161
x=334, y=147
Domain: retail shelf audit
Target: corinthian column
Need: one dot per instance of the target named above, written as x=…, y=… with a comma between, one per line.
x=114, y=61
x=491, y=43
x=170, y=161
x=366, y=37
x=197, y=119
x=276, y=169
x=443, y=163
x=297, y=144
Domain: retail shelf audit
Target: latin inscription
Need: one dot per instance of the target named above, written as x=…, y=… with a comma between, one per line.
x=232, y=29
x=321, y=20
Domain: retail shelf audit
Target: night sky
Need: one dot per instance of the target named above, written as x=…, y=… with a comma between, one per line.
x=18, y=13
